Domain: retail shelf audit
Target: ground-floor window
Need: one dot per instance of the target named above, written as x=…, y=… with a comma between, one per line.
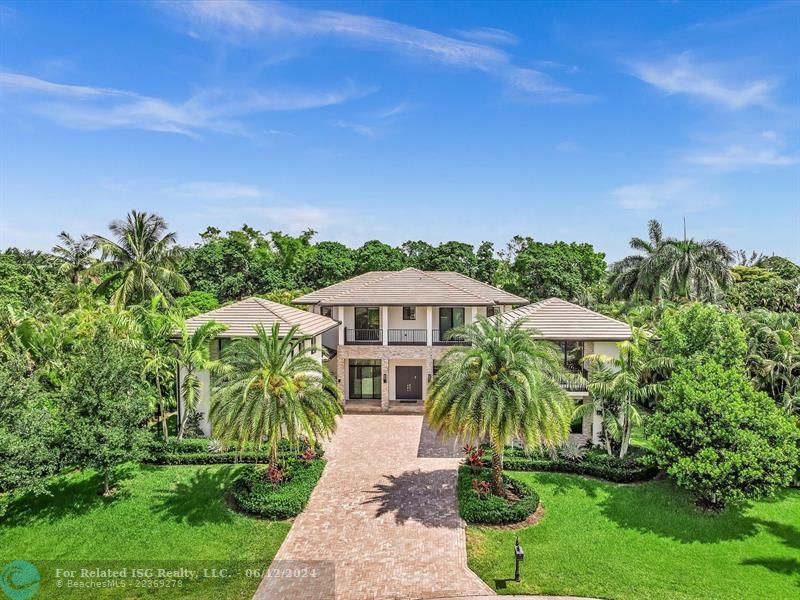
x=365, y=379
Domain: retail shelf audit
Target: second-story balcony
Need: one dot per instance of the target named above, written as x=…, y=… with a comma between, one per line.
x=394, y=337
x=362, y=336
x=443, y=338
x=576, y=384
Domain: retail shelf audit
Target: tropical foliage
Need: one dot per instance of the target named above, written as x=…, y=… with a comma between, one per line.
x=672, y=268
x=272, y=389
x=720, y=438
x=619, y=386
x=504, y=386
x=141, y=263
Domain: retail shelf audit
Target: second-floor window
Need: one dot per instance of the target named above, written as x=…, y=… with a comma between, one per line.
x=367, y=317
x=573, y=355
x=326, y=311
x=409, y=313
x=492, y=310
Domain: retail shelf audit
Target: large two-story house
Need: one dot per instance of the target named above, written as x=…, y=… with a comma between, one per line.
x=386, y=331
x=393, y=329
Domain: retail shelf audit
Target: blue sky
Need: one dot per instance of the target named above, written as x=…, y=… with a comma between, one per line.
x=404, y=120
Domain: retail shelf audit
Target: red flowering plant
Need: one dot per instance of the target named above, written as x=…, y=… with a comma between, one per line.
x=480, y=487
x=309, y=453
x=473, y=455
x=275, y=475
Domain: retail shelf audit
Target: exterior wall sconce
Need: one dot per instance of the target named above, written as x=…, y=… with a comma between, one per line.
x=429, y=377
x=384, y=378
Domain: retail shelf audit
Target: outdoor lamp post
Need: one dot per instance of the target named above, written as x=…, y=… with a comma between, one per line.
x=519, y=556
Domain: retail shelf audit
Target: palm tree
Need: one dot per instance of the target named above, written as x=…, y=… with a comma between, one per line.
x=638, y=274
x=620, y=385
x=695, y=271
x=672, y=268
x=273, y=389
x=774, y=355
x=192, y=354
x=142, y=263
x=505, y=385
x=153, y=329
x=75, y=255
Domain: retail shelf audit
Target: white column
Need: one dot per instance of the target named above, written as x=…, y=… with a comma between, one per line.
x=473, y=314
x=429, y=325
x=340, y=318
x=385, y=325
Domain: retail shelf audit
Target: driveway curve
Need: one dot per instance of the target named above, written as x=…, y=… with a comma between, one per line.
x=382, y=522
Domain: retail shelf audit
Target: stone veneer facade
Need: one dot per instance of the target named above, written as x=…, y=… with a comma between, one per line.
x=426, y=354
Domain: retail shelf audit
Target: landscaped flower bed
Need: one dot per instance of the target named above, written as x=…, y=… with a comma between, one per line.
x=204, y=451
x=636, y=466
x=477, y=505
x=277, y=494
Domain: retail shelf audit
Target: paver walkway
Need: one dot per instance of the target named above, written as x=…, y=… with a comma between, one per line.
x=384, y=518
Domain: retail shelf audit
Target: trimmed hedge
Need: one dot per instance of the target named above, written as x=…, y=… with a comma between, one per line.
x=595, y=463
x=253, y=493
x=491, y=509
x=197, y=451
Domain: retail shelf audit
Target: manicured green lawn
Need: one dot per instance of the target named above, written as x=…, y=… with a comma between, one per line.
x=643, y=541
x=176, y=514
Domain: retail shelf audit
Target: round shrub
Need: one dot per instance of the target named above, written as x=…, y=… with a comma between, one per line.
x=720, y=439
x=253, y=492
x=489, y=509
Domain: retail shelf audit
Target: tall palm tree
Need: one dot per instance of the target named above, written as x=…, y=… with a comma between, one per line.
x=620, y=385
x=273, y=389
x=192, y=354
x=142, y=263
x=696, y=271
x=638, y=274
x=505, y=385
x=75, y=255
x=672, y=268
x=153, y=328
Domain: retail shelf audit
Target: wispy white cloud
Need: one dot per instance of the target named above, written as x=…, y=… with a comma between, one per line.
x=245, y=21
x=18, y=81
x=214, y=190
x=683, y=195
x=87, y=107
x=681, y=74
x=359, y=128
x=741, y=157
x=489, y=35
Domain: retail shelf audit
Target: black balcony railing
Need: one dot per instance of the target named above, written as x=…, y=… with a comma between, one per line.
x=576, y=383
x=409, y=337
x=442, y=338
x=362, y=336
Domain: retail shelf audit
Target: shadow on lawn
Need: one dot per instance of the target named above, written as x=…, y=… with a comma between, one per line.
x=422, y=496
x=69, y=495
x=661, y=508
x=198, y=500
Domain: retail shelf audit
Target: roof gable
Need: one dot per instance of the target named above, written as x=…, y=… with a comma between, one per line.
x=556, y=319
x=410, y=287
x=241, y=317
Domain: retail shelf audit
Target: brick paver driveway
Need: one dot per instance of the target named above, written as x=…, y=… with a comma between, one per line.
x=387, y=520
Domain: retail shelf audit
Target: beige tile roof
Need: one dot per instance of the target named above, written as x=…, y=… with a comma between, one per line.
x=410, y=287
x=242, y=316
x=556, y=319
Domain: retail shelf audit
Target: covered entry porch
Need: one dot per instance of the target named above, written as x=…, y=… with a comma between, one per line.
x=385, y=378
